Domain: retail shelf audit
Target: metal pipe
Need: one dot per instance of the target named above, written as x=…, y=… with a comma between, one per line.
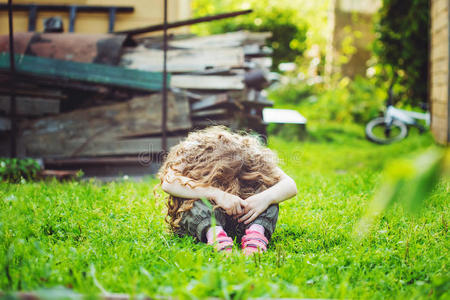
x=12, y=69
x=112, y=19
x=72, y=17
x=160, y=27
x=164, y=92
x=66, y=8
x=32, y=15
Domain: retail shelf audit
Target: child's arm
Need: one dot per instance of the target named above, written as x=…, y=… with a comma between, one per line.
x=176, y=186
x=256, y=204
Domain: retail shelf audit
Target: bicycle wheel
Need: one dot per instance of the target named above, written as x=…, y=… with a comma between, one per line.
x=378, y=132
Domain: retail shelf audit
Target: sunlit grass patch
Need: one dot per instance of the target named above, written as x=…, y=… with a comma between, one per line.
x=66, y=234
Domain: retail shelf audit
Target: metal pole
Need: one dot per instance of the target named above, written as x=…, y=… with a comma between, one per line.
x=12, y=69
x=448, y=74
x=164, y=92
x=160, y=27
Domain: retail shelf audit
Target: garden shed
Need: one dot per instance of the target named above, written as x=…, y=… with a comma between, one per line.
x=439, y=71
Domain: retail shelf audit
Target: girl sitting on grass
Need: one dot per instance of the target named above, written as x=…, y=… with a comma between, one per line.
x=238, y=175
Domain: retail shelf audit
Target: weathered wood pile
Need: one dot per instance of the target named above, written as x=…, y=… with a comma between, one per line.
x=84, y=102
x=224, y=75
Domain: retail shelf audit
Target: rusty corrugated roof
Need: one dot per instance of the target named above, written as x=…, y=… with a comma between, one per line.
x=86, y=48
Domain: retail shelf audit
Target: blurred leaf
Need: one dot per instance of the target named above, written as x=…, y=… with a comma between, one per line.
x=428, y=167
x=409, y=182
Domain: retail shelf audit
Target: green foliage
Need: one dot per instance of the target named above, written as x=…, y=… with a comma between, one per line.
x=288, y=39
x=89, y=236
x=342, y=100
x=402, y=45
x=289, y=31
x=292, y=93
x=14, y=169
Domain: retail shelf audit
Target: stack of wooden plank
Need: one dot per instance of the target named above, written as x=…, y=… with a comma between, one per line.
x=73, y=100
x=224, y=75
x=75, y=109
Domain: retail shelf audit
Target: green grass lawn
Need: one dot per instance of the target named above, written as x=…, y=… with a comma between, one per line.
x=89, y=236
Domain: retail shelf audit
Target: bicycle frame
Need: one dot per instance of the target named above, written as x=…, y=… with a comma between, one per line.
x=405, y=116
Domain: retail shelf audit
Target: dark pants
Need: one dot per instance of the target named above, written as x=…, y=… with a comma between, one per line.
x=197, y=221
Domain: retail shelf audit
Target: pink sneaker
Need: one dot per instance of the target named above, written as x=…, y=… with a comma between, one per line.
x=253, y=241
x=223, y=242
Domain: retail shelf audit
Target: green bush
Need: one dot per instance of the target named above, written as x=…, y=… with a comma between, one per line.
x=288, y=39
x=292, y=93
x=402, y=45
x=14, y=169
x=342, y=100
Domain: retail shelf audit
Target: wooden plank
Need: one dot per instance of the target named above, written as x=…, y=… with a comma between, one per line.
x=255, y=50
x=217, y=71
x=58, y=174
x=213, y=101
x=262, y=62
x=206, y=123
x=181, y=132
x=231, y=39
x=5, y=124
x=30, y=106
x=38, y=81
x=69, y=134
x=233, y=95
x=5, y=146
x=187, y=60
x=64, y=162
x=210, y=82
x=141, y=147
x=5, y=143
x=84, y=72
x=282, y=116
x=33, y=91
x=210, y=113
x=141, y=115
x=257, y=103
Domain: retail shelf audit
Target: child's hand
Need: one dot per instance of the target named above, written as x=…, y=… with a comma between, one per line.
x=232, y=204
x=256, y=204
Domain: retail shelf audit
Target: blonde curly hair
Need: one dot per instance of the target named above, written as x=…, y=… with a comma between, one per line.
x=235, y=163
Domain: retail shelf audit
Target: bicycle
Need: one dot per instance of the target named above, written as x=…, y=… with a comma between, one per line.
x=394, y=125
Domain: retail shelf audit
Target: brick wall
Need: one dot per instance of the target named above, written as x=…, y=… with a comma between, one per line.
x=439, y=77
